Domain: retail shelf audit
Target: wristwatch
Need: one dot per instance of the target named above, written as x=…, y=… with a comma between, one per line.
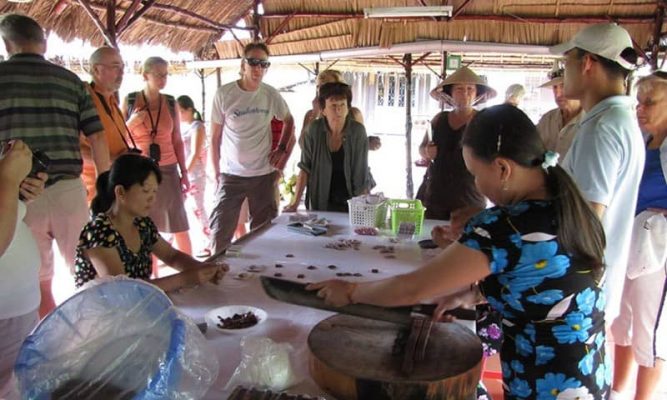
x=282, y=147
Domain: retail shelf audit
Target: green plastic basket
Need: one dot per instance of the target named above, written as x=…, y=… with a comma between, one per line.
x=405, y=213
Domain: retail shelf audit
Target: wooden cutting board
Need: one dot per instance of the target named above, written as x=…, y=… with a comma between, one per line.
x=351, y=358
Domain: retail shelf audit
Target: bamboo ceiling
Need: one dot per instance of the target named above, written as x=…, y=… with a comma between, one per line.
x=308, y=26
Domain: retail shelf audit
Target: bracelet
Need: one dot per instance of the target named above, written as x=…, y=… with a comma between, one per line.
x=352, y=286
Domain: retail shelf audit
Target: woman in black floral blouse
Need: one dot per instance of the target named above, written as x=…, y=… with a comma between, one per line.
x=120, y=238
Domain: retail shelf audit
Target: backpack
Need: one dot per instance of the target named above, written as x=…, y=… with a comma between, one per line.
x=132, y=98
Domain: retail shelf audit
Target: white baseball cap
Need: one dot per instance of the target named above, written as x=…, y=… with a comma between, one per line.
x=605, y=40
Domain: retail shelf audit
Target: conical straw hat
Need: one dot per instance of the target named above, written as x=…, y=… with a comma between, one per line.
x=463, y=76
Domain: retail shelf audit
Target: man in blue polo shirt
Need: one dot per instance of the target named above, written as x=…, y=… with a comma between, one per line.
x=607, y=156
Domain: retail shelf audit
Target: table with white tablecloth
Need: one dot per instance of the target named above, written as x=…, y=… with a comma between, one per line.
x=275, y=244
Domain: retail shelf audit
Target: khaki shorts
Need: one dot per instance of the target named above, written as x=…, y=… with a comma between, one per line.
x=58, y=214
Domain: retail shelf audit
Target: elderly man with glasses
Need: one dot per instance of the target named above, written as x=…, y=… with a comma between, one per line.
x=243, y=162
x=106, y=70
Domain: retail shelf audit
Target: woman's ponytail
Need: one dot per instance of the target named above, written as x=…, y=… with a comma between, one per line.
x=105, y=195
x=197, y=115
x=580, y=231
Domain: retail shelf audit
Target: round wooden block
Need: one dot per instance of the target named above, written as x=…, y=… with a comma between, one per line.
x=352, y=359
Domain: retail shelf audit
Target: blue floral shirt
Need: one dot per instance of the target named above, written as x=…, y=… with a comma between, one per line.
x=552, y=309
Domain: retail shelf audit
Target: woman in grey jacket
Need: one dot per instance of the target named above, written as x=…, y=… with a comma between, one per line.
x=334, y=158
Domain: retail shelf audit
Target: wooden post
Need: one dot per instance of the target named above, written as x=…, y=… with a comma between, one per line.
x=202, y=78
x=407, y=63
x=218, y=77
x=657, y=34
x=111, y=23
x=443, y=74
x=317, y=71
x=255, y=21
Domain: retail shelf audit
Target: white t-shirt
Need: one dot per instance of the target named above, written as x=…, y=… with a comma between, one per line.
x=19, y=272
x=246, y=135
x=606, y=161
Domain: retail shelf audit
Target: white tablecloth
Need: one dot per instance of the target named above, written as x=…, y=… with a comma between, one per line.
x=286, y=322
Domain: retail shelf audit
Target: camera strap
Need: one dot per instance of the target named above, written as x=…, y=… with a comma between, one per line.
x=154, y=124
x=109, y=112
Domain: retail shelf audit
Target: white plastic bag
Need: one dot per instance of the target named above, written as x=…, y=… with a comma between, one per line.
x=264, y=364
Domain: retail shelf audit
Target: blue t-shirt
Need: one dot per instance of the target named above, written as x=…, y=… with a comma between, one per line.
x=653, y=186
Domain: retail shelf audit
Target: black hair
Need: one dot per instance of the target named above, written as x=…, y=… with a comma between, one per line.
x=186, y=103
x=334, y=90
x=127, y=170
x=255, y=45
x=612, y=68
x=21, y=29
x=505, y=131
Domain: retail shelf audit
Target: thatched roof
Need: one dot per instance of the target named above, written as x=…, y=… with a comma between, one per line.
x=311, y=26
x=307, y=26
x=181, y=25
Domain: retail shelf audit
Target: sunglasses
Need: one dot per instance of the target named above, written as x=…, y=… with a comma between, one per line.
x=256, y=62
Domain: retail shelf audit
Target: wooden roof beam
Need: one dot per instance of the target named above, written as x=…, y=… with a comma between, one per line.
x=96, y=20
x=657, y=34
x=459, y=10
x=279, y=28
x=111, y=22
x=492, y=18
x=122, y=24
x=158, y=21
x=198, y=17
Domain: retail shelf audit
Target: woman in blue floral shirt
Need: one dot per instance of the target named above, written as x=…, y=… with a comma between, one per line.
x=537, y=257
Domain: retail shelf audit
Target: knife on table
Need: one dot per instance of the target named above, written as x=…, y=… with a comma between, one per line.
x=296, y=293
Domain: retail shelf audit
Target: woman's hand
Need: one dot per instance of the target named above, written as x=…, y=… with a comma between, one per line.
x=431, y=150
x=290, y=208
x=208, y=272
x=137, y=117
x=15, y=162
x=31, y=187
x=335, y=292
x=443, y=235
x=465, y=299
x=185, y=183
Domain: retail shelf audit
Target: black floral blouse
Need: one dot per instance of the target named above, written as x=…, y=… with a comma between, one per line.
x=99, y=232
x=552, y=308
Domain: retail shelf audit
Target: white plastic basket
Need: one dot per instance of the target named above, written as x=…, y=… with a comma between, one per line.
x=367, y=215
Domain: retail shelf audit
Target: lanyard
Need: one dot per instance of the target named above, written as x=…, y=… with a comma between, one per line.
x=109, y=112
x=154, y=124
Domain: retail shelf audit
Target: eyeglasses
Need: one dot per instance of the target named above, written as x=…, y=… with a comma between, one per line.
x=115, y=67
x=257, y=62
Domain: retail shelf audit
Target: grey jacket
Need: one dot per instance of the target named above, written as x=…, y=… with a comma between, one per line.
x=316, y=161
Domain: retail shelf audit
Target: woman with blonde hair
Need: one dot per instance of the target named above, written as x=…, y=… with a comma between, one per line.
x=153, y=119
x=640, y=331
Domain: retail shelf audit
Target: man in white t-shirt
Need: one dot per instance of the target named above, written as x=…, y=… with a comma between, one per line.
x=606, y=158
x=243, y=162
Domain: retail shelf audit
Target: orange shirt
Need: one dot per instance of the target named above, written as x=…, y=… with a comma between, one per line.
x=114, y=126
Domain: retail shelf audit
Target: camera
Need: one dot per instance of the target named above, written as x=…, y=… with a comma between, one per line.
x=154, y=152
x=40, y=163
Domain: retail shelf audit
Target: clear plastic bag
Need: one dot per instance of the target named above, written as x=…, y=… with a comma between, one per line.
x=121, y=339
x=264, y=364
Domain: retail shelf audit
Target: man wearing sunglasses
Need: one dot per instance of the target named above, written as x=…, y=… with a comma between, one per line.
x=243, y=162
